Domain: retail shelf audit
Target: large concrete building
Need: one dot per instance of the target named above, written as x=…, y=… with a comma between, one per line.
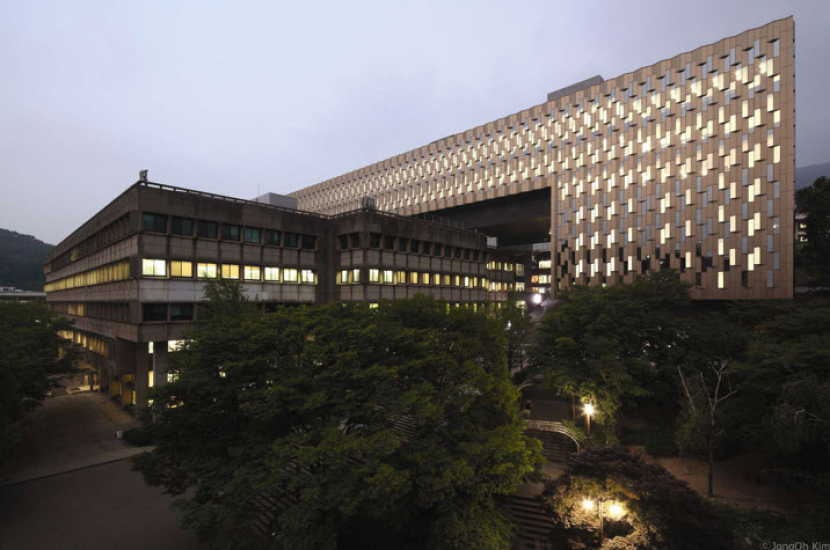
x=688, y=164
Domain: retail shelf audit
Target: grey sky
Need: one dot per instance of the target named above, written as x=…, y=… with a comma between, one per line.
x=226, y=96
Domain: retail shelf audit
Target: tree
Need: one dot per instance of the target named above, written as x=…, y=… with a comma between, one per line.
x=707, y=374
x=31, y=350
x=517, y=325
x=645, y=506
x=604, y=344
x=341, y=426
x=813, y=256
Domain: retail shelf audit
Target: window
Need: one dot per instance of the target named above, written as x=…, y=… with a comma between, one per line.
x=181, y=312
x=230, y=232
x=414, y=246
x=154, y=312
x=425, y=278
x=374, y=276
x=403, y=244
x=436, y=279
x=156, y=223
x=388, y=277
x=307, y=277
x=206, y=271
x=413, y=277
x=309, y=242
x=374, y=240
x=343, y=242
x=230, y=271
x=355, y=276
x=272, y=238
x=181, y=269
x=438, y=249
x=252, y=235
x=389, y=243
x=252, y=273
x=426, y=248
x=447, y=280
x=272, y=274
x=208, y=230
x=154, y=268
x=291, y=240
x=343, y=277
x=290, y=275
x=400, y=277
x=354, y=240
x=181, y=226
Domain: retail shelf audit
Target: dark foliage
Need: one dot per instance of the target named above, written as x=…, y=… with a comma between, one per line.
x=21, y=260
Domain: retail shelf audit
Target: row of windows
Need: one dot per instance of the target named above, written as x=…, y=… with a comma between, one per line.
x=162, y=312
x=117, y=271
x=86, y=341
x=158, y=223
x=105, y=236
x=392, y=277
x=176, y=269
x=415, y=246
x=519, y=269
x=108, y=311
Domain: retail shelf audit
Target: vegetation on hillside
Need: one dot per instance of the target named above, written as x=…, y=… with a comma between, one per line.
x=21, y=260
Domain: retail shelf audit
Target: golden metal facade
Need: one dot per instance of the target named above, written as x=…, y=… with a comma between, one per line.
x=688, y=163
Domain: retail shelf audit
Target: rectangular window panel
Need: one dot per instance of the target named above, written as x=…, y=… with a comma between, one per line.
x=291, y=240
x=355, y=276
x=230, y=232
x=374, y=276
x=272, y=274
x=307, y=277
x=272, y=238
x=309, y=242
x=157, y=223
x=230, y=271
x=252, y=273
x=154, y=312
x=207, y=230
x=154, y=268
x=206, y=271
x=181, y=312
x=181, y=269
x=253, y=235
x=181, y=226
x=290, y=275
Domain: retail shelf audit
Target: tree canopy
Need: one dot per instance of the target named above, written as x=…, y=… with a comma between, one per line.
x=30, y=352
x=813, y=256
x=341, y=426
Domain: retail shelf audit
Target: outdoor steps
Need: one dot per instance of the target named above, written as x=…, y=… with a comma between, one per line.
x=555, y=446
x=533, y=525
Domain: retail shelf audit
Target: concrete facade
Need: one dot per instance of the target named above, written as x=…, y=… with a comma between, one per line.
x=687, y=163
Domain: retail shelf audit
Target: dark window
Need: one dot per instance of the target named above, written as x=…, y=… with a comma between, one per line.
x=208, y=230
x=155, y=222
x=354, y=240
x=272, y=237
x=292, y=240
x=403, y=244
x=466, y=253
x=476, y=255
x=389, y=243
x=309, y=242
x=745, y=279
x=374, y=240
x=181, y=226
x=181, y=312
x=697, y=279
x=414, y=246
x=230, y=232
x=155, y=312
x=427, y=248
x=343, y=241
x=439, y=249
x=253, y=235
x=726, y=263
x=697, y=249
x=447, y=251
x=457, y=253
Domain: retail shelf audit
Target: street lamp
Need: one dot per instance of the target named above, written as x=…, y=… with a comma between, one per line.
x=614, y=510
x=589, y=412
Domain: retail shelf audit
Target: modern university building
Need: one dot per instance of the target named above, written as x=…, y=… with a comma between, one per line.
x=685, y=164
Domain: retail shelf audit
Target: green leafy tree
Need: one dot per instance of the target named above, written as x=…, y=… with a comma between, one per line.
x=518, y=326
x=813, y=256
x=605, y=344
x=341, y=426
x=31, y=352
x=644, y=506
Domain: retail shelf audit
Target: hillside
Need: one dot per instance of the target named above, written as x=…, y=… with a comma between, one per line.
x=21, y=260
x=806, y=175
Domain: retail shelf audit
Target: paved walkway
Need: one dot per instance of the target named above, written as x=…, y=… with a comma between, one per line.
x=69, y=432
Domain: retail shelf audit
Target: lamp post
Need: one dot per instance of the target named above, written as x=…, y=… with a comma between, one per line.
x=589, y=411
x=614, y=509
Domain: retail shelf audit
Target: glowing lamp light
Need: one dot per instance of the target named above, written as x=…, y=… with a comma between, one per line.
x=537, y=299
x=589, y=409
x=588, y=504
x=616, y=511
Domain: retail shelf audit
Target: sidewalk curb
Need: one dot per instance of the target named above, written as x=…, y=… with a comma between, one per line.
x=78, y=469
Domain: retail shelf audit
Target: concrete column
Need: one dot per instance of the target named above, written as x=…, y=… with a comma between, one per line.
x=160, y=363
x=142, y=375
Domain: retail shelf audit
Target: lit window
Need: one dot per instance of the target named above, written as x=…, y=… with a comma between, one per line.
x=230, y=271
x=413, y=277
x=252, y=273
x=388, y=277
x=272, y=274
x=307, y=277
x=374, y=276
x=425, y=278
x=206, y=271
x=355, y=276
x=181, y=269
x=400, y=277
x=290, y=275
x=153, y=268
x=343, y=277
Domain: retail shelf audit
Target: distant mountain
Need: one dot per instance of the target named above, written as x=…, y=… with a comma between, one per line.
x=806, y=175
x=21, y=260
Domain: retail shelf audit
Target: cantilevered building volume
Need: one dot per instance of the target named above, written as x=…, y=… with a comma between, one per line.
x=688, y=163
x=685, y=164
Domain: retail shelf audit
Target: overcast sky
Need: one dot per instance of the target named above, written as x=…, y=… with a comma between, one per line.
x=232, y=97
